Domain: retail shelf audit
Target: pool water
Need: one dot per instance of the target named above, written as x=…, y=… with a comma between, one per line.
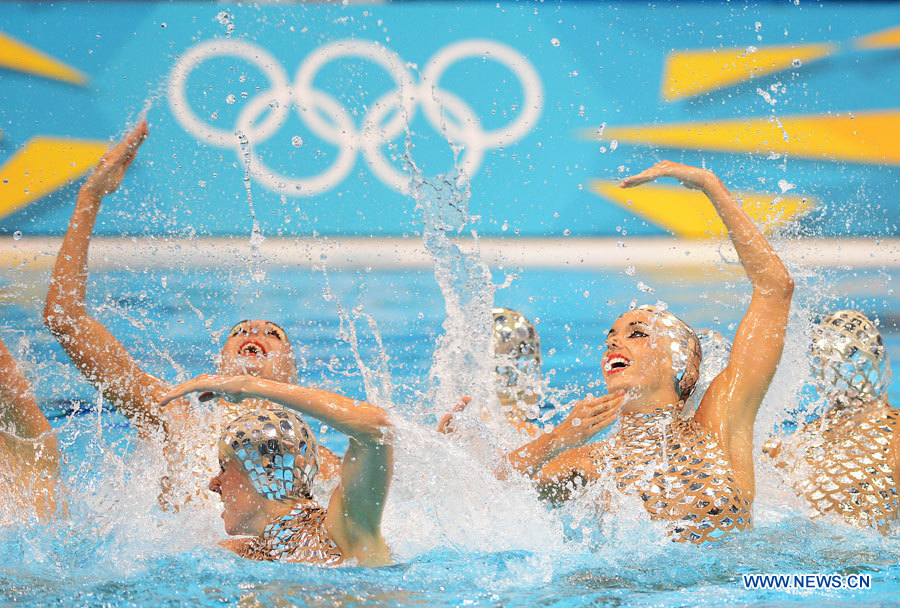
x=459, y=536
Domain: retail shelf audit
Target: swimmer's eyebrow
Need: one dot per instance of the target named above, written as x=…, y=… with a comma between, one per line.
x=632, y=324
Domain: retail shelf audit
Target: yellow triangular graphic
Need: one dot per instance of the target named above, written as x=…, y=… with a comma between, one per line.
x=43, y=165
x=689, y=214
x=19, y=56
x=690, y=73
x=885, y=39
x=865, y=137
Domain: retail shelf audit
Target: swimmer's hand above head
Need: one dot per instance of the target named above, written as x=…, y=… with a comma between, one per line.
x=110, y=171
x=693, y=178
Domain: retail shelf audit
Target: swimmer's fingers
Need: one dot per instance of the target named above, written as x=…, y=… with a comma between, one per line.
x=643, y=177
x=446, y=424
x=694, y=178
x=604, y=412
x=462, y=404
x=209, y=386
x=110, y=171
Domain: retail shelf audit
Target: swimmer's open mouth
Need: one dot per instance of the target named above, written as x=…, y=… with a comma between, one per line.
x=251, y=348
x=616, y=363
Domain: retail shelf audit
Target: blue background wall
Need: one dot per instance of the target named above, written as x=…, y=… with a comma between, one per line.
x=596, y=64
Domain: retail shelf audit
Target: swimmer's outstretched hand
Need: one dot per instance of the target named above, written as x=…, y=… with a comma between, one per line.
x=587, y=418
x=210, y=386
x=446, y=424
x=110, y=171
x=694, y=178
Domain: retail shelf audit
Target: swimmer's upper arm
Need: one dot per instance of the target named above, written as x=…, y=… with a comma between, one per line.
x=730, y=405
x=356, y=506
x=18, y=407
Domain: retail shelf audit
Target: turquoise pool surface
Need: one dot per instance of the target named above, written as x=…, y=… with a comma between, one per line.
x=459, y=537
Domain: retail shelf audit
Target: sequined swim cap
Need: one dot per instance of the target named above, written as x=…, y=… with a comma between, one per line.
x=278, y=451
x=685, y=348
x=849, y=356
x=518, y=348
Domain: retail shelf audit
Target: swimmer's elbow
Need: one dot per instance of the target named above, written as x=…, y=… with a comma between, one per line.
x=61, y=320
x=779, y=287
x=378, y=429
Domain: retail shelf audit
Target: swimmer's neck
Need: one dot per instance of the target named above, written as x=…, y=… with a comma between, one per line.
x=661, y=398
x=271, y=511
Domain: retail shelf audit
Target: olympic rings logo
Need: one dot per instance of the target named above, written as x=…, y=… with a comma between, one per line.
x=446, y=112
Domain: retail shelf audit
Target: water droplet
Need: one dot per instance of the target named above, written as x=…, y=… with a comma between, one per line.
x=629, y=270
x=567, y=232
x=296, y=141
x=613, y=145
x=576, y=422
x=230, y=99
x=645, y=288
x=17, y=235
x=163, y=24
x=796, y=63
x=554, y=41
x=274, y=104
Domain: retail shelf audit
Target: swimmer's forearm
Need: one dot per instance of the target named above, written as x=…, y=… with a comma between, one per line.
x=363, y=421
x=68, y=285
x=761, y=263
x=531, y=458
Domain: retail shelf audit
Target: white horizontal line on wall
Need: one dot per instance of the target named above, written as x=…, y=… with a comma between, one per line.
x=574, y=253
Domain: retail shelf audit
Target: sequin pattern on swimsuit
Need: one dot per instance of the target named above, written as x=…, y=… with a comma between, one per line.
x=299, y=536
x=680, y=473
x=848, y=470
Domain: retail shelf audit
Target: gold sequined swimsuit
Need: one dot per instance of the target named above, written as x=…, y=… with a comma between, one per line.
x=299, y=536
x=681, y=474
x=840, y=463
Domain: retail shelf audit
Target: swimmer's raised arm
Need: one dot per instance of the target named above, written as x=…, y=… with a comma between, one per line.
x=356, y=506
x=91, y=347
x=19, y=410
x=730, y=405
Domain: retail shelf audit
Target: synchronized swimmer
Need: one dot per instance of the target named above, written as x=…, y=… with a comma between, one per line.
x=693, y=470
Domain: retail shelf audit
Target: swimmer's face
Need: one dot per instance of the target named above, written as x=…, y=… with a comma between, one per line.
x=242, y=504
x=258, y=348
x=637, y=359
